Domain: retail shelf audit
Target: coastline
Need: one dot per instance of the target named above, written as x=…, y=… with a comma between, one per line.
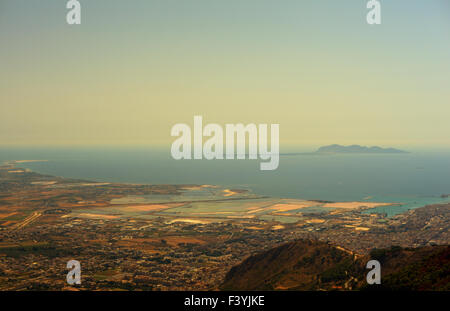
x=389, y=205
x=142, y=226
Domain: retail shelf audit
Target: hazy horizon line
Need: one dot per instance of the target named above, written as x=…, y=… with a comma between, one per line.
x=288, y=147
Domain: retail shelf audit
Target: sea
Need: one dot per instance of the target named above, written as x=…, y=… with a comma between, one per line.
x=412, y=179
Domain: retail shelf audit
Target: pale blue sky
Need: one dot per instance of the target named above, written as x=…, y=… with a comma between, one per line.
x=132, y=69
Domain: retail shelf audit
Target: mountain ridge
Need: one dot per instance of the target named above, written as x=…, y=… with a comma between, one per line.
x=315, y=265
x=335, y=148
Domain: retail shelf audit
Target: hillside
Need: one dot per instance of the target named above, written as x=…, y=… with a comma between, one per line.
x=313, y=265
x=299, y=265
x=424, y=268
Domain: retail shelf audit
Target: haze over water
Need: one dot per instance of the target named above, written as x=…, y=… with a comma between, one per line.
x=415, y=179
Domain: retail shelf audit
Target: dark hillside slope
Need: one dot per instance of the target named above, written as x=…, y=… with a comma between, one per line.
x=299, y=265
x=313, y=265
x=424, y=268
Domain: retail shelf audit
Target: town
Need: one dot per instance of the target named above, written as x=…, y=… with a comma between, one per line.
x=46, y=221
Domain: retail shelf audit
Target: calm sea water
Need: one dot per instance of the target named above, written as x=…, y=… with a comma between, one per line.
x=414, y=179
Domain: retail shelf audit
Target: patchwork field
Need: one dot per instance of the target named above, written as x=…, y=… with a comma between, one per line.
x=206, y=204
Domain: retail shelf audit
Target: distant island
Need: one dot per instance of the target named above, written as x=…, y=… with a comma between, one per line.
x=357, y=149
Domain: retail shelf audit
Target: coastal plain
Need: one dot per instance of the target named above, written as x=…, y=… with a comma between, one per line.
x=174, y=237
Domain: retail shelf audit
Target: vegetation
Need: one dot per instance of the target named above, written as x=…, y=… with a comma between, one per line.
x=312, y=265
x=43, y=249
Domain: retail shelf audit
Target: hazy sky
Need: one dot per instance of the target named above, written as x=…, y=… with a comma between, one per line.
x=133, y=69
